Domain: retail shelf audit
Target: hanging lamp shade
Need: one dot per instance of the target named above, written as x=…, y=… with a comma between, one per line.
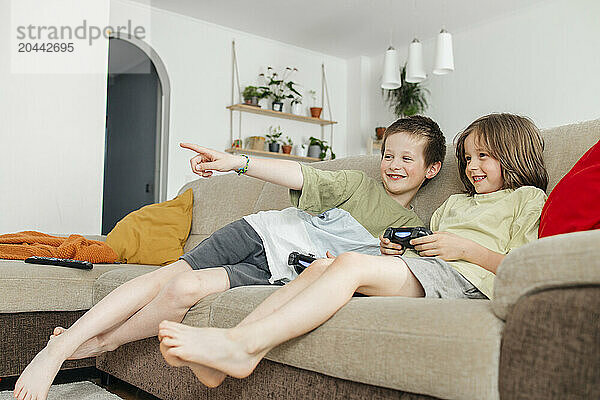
x=444, y=56
x=391, y=70
x=415, y=72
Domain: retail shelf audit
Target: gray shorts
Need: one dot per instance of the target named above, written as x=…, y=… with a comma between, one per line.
x=440, y=280
x=237, y=248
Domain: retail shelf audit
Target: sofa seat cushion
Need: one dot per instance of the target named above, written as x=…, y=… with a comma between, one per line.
x=443, y=348
x=32, y=287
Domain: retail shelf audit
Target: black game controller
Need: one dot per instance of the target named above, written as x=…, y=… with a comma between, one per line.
x=403, y=236
x=300, y=261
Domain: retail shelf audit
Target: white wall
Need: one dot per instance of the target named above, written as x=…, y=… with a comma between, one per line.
x=543, y=63
x=198, y=58
x=51, y=144
x=52, y=140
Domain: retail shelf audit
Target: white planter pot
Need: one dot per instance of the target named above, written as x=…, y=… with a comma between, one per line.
x=301, y=150
x=296, y=109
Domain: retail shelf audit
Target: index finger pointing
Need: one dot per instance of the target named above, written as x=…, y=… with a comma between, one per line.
x=194, y=147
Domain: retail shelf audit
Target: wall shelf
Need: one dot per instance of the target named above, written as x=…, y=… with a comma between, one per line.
x=271, y=154
x=279, y=114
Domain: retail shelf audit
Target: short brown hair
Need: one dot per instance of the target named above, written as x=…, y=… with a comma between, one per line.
x=424, y=128
x=515, y=142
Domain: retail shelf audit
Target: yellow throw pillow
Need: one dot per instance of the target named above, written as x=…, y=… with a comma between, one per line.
x=154, y=234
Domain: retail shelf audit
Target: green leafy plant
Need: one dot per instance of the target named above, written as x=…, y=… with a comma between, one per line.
x=409, y=99
x=274, y=134
x=324, y=147
x=288, y=141
x=294, y=94
x=253, y=91
x=277, y=86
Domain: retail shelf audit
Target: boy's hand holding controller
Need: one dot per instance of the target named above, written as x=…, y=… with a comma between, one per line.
x=389, y=248
x=445, y=245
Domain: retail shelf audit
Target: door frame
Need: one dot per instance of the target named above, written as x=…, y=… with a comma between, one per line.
x=163, y=114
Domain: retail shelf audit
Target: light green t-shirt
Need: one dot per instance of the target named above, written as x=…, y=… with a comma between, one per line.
x=500, y=221
x=363, y=197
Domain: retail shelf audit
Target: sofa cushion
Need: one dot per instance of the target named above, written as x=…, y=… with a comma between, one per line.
x=155, y=234
x=32, y=287
x=573, y=204
x=564, y=145
x=443, y=348
x=222, y=199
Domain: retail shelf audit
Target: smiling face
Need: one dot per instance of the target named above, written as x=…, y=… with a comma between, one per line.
x=483, y=171
x=403, y=168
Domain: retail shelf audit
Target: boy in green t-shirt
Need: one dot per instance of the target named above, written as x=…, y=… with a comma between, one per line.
x=353, y=210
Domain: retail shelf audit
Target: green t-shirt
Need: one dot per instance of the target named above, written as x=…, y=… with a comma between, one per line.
x=500, y=221
x=363, y=197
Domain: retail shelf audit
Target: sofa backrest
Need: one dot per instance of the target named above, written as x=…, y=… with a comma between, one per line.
x=226, y=198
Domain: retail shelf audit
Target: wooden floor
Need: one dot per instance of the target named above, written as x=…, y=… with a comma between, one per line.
x=116, y=386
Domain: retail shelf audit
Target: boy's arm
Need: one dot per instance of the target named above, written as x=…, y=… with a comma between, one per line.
x=281, y=172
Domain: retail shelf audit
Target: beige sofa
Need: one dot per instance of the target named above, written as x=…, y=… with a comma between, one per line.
x=538, y=338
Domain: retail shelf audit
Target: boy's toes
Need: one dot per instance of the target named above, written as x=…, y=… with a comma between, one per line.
x=58, y=330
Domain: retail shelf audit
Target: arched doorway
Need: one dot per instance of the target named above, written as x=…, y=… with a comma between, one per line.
x=137, y=121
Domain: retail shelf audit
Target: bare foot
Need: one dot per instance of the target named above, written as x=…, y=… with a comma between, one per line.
x=208, y=376
x=210, y=347
x=36, y=379
x=91, y=348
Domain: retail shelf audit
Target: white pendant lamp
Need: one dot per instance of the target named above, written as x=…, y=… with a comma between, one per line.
x=415, y=72
x=444, y=56
x=391, y=70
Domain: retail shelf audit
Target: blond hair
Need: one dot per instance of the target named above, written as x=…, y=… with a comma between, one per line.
x=515, y=142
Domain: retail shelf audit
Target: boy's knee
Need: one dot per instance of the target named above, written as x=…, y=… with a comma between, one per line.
x=350, y=258
x=320, y=265
x=185, y=290
x=352, y=262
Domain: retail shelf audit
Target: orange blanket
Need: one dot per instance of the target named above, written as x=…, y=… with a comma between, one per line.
x=19, y=246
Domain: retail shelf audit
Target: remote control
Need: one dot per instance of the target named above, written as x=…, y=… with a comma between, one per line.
x=62, y=262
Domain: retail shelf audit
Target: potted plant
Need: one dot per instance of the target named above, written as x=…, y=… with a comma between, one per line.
x=273, y=138
x=296, y=96
x=409, y=99
x=286, y=147
x=315, y=111
x=318, y=149
x=296, y=105
x=302, y=149
x=251, y=95
x=278, y=87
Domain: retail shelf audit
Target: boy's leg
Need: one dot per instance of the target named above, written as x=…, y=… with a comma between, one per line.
x=289, y=291
x=235, y=243
x=237, y=351
x=211, y=377
x=116, y=307
x=171, y=304
x=126, y=300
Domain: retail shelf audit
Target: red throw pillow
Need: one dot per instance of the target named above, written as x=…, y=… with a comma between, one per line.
x=574, y=204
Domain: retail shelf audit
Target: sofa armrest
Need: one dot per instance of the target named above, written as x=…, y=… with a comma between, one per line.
x=572, y=259
x=550, y=346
